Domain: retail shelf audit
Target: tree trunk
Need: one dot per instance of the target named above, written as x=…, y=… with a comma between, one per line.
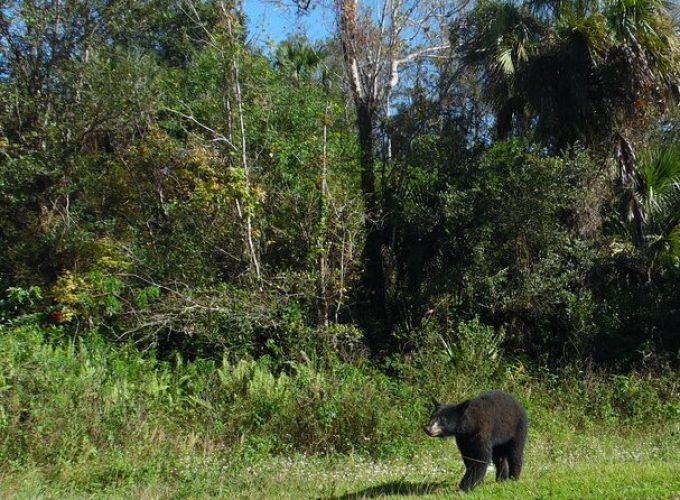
x=247, y=210
x=504, y=120
x=374, y=314
x=323, y=227
x=372, y=296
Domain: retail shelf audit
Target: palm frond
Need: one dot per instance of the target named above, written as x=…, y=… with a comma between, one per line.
x=659, y=189
x=504, y=61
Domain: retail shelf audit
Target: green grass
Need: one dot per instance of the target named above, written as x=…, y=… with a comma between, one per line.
x=595, y=480
x=619, y=466
x=90, y=419
x=359, y=479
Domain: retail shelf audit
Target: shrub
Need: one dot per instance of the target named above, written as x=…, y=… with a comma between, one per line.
x=66, y=401
x=20, y=304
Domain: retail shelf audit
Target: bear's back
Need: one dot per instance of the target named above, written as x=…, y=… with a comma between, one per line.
x=495, y=413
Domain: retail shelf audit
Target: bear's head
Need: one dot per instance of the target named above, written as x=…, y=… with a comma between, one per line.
x=444, y=420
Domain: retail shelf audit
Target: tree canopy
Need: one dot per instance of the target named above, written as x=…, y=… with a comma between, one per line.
x=166, y=181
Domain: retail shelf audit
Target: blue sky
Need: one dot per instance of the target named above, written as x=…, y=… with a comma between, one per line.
x=267, y=21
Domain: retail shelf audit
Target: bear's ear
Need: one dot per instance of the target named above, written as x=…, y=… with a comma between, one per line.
x=436, y=403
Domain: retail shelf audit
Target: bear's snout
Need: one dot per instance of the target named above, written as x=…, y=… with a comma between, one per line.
x=433, y=429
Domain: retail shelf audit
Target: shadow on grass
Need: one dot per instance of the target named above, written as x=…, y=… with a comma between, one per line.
x=393, y=488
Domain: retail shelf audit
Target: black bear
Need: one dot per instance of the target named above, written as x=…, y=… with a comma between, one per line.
x=490, y=427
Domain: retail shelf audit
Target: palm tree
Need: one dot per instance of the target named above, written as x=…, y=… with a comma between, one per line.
x=657, y=196
x=587, y=70
x=298, y=58
x=572, y=69
x=499, y=38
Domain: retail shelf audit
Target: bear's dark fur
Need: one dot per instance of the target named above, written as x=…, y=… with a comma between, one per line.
x=490, y=427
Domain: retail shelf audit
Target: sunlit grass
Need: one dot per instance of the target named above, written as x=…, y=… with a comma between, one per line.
x=96, y=421
x=622, y=466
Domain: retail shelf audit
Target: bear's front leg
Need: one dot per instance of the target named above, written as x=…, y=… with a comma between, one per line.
x=476, y=455
x=474, y=475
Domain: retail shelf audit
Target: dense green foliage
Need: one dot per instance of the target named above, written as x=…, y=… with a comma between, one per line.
x=205, y=250
x=182, y=188
x=93, y=417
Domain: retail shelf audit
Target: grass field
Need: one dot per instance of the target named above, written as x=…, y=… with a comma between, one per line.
x=91, y=420
x=623, y=466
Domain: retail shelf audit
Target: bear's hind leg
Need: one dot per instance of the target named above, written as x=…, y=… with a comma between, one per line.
x=500, y=461
x=502, y=468
x=515, y=458
x=516, y=450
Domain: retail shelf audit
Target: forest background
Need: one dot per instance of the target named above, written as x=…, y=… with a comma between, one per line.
x=213, y=248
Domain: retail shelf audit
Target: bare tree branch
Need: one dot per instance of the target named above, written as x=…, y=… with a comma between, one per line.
x=217, y=136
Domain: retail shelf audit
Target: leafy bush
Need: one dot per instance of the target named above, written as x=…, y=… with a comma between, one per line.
x=518, y=228
x=474, y=347
x=20, y=303
x=63, y=400
x=123, y=414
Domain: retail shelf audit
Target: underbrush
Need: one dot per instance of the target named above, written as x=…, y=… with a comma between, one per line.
x=91, y=413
